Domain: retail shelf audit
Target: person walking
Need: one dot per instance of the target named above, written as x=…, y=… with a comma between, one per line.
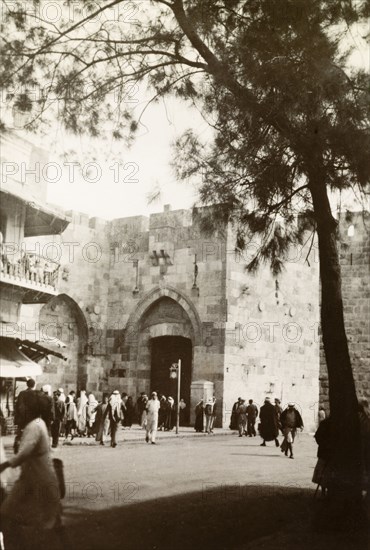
x=199, y=417
x=62, y=397
x=279, y=410
x=152, y=418
x=102, y=422
x=32, y=510
x=129, y=414
x=48, y=404
x=234, y=415
x=323, y=472
x=291, y=420
x=242, y=417
x=71, y=416
x=252, y=414
x=182, y=407
x=214, y=414
x=91, y=414
x=162, y=415
x=208, y=411
x=268, y=427
x=23, y=406
x=141, y=408
x=59, y=414
x=115, y=415
x=82, y=403
x=124, y=398
x=169, y=414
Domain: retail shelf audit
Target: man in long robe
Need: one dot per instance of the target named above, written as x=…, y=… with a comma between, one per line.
x=199, y=416
x=115, y=415
x=242, y=417
x=234, y=416
x=152, y=418
x=269, y=426
x=102, y=421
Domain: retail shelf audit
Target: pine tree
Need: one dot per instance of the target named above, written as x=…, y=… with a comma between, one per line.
x=290, y=124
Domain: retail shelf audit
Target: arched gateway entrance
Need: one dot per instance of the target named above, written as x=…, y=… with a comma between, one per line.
x=164, y=327
x=166, y=350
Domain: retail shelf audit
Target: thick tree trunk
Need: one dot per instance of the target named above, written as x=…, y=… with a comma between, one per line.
x=346, y=488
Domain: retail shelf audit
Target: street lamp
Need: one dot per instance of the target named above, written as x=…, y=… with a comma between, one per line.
x=175, y=372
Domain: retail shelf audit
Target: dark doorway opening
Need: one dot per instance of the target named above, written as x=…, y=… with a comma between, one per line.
x=166, y=350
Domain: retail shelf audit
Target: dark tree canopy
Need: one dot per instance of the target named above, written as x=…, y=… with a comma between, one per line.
x=268, y=75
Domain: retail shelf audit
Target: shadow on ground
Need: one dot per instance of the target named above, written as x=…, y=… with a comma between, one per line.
x=228, y=517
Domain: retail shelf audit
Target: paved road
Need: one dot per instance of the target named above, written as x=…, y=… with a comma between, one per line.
x=219, y=492
x=100, y=477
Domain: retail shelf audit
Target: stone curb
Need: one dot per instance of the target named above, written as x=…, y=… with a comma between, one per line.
x=84, y=442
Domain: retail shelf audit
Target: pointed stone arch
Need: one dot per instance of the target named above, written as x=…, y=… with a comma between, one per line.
x=81, y=319
x=63, y=318
x=133, y=324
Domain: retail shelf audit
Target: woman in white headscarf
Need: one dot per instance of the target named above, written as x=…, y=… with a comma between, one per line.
x=82, y=402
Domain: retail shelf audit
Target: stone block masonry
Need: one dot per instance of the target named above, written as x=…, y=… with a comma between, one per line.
x=142, y=293
x=355, y=269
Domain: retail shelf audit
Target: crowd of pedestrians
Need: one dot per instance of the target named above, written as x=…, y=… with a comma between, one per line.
x=272, y=420
x=72, y=416
x=41, y=415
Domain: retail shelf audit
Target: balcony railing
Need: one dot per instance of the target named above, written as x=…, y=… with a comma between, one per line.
x=31, y=269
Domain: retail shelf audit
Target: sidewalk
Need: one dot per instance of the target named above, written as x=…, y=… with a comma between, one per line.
x=137, y=434
x=132, y=435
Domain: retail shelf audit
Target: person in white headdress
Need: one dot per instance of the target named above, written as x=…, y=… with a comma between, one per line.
x=62, y=399
x=62, y=395
x=209, y=414
x=71, y=416
x=115, y=415
x=91, y=414
x=82, y=413
x=152, y=418
x=291, y=420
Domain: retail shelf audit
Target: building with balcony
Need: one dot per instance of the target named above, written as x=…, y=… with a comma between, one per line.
x=26, y=276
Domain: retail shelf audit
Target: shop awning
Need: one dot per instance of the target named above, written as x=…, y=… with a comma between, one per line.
x=36, y=352
x=14, y=363
x=11, y=330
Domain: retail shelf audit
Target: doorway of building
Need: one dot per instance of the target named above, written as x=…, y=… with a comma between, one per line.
x=166, y=350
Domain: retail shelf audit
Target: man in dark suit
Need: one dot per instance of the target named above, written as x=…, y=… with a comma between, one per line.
x=252, y=413
x=59, y=413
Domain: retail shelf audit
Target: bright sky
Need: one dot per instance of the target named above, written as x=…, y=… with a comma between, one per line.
x=119, y=186
x=111, y=190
